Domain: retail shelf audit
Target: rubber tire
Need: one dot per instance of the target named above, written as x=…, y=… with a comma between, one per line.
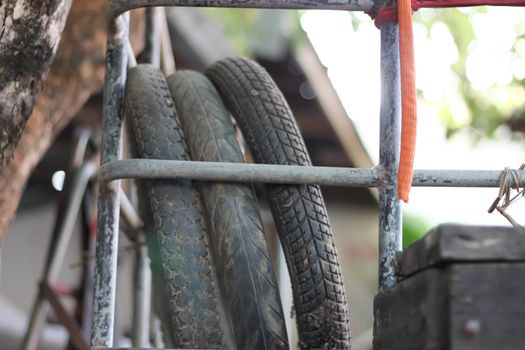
x=174, y=223
x=299, y=212
x=236, y=231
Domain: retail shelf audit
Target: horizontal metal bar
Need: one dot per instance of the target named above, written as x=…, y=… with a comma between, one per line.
x=239, y=172
x=292, y=174
x=462, y=178
x=118, y=7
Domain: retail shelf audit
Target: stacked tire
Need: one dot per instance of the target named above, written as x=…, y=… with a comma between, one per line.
x=213, y=280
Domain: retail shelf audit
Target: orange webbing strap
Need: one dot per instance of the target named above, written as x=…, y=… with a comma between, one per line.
x=408, y=99
x=389, y=14
x=408, y=84
x=464, y=3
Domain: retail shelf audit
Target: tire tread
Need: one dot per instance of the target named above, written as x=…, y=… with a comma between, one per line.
x=237, y=235
x=173, y=215
x=272, y=134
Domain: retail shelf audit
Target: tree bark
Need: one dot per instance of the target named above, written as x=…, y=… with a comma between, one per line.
x=28, y=41
x=76, y=73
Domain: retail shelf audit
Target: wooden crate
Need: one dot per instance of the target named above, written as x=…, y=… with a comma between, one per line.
x=460, y=288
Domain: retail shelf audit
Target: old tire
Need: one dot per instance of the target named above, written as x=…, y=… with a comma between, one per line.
x=299, y=212
x=174, y=223
x=236, y=232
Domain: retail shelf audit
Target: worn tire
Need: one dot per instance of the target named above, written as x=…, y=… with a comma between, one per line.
x=298, y=210
x=173, y=218
x=236, y=231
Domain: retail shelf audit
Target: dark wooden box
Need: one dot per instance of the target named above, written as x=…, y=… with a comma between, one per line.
x=460, y=288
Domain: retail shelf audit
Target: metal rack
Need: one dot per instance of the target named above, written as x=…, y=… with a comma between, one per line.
x=383, y=176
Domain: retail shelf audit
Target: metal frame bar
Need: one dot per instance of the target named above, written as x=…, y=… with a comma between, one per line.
x=292, y=174
x=88, y=246
x=238, y=172
x=141, y=297
x=57, y=251
x=152, y=35
x=390, y=213
x=69, y=322
x=167, y=61
x=108, y=202
x=117, y=7
x=383, y=176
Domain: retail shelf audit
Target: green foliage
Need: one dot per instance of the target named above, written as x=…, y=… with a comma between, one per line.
x=414, y=227
x=249, y=29
x=479, y=111
x=237, y=25
x=486, y=109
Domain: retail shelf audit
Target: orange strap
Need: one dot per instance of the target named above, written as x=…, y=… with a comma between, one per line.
x=408, y=81
x=389, y=14
x=408, y=99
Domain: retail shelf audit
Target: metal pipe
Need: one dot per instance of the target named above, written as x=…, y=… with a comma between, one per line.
x=129, y=214
x=167, y=61
x=58, y=248
x=155, y=332
x=239, y=172
x=292, y=174
x=464, y=178
x=390, y=223
x=79, y=152
x=141, y=297
x=132, y=60
x=108, y=204
x=117, y=7
x=57, y=251
x=88, y=247
x=71, y=325
x=152, y=37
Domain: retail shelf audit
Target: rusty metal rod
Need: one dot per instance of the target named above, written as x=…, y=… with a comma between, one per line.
x=108, y=201
x=63, y=231
x=390, y=210
x=68, y=321
x=117, y=7
x=238, y=172
x=291, y=174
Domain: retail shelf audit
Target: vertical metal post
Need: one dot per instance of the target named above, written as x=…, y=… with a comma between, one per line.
x=141, y=296
x=152, y=36
x=64, y=228
x=390, y=224
x=89, y=273
x=108, y=205
x=167, y=61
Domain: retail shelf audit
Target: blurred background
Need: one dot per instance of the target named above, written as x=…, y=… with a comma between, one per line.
x=470, y=68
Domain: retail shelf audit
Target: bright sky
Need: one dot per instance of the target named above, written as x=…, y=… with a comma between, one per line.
x=352, y=59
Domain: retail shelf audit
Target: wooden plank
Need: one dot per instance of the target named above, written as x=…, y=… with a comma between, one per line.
x=459, y=243
x=487, y=306
x=464, y=306
x=411, y=315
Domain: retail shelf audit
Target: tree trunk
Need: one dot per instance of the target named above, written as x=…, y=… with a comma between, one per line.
x=76, y=73
x=28, y=40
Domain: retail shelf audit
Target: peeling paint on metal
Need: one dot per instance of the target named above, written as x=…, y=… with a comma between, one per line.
x=239, y=172
x=108, y=205
x=389, y=204
x=119, y=6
